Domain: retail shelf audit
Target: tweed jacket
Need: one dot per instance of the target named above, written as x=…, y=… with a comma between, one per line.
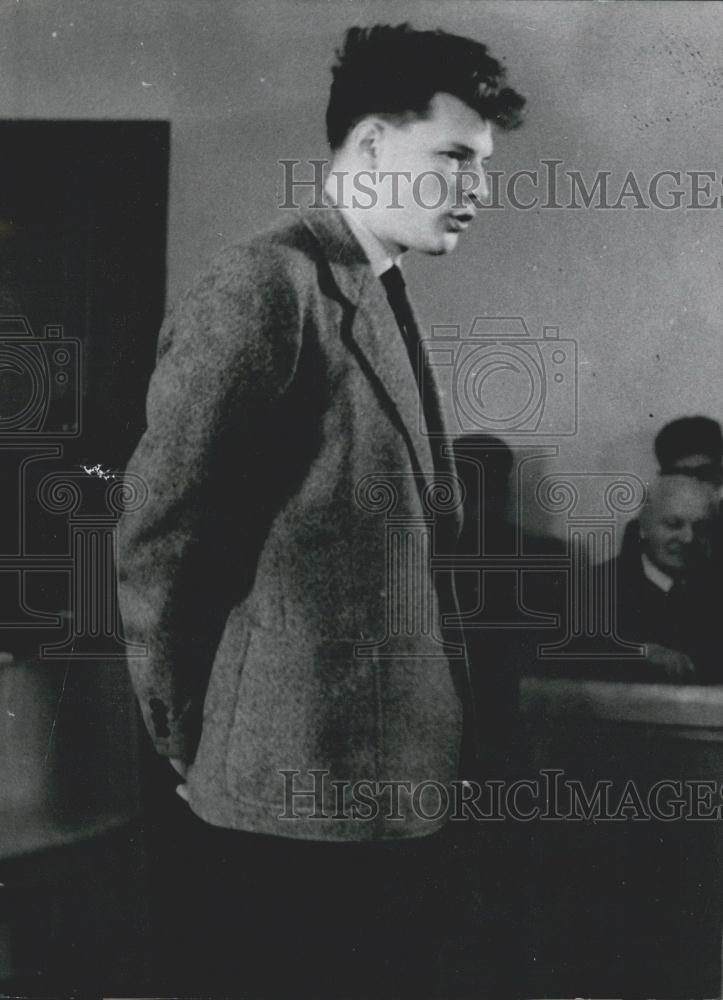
x=278, y=573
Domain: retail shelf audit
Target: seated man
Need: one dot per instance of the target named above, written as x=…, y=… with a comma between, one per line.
x=689, y=446
x=664, y=598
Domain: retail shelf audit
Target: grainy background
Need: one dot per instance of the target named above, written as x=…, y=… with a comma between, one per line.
x=619, y=87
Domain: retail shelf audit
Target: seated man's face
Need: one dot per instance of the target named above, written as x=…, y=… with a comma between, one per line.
x=677, y=524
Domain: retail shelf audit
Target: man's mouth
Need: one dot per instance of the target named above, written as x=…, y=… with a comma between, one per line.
x=458, y=223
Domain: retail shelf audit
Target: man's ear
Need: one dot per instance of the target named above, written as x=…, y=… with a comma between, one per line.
x=367, y=138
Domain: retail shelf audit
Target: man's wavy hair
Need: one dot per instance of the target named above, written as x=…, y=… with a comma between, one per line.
x=396, y=71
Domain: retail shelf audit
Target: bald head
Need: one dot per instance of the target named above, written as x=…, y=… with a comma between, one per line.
x=676, y=523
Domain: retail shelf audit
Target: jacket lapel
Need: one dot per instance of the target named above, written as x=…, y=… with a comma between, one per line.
x=377, y=337
x=374, y=334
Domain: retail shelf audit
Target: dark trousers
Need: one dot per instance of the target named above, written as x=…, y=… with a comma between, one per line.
x=261, y=916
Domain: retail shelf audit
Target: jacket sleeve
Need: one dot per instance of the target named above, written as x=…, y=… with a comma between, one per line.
x=226, y=357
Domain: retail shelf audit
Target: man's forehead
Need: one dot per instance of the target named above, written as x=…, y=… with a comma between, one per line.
x=454, y=121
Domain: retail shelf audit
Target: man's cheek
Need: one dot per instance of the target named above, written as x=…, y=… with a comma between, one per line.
x=431, y=191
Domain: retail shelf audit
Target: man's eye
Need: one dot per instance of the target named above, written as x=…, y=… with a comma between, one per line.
x=455, y=155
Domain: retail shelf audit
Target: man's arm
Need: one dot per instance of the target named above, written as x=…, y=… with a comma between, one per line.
x=225, y=359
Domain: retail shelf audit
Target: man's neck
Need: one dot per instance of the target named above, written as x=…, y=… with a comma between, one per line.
x=382, y=254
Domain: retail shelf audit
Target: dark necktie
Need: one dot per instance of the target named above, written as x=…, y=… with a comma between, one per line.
x=396, y=290
x=446, y=535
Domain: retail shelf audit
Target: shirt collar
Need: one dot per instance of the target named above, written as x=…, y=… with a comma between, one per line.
x=656, y=575
x=379, y=258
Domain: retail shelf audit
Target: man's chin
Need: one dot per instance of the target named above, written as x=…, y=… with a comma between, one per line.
x=445, y=244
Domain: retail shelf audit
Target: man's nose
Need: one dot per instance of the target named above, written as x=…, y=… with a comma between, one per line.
x=479, y=191
x=472, y=187
x=686, y=534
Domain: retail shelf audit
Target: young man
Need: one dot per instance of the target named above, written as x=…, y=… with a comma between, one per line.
x=289, y=419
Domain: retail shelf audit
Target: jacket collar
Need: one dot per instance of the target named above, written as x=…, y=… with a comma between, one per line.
x=343, y=252
x=656, y=576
